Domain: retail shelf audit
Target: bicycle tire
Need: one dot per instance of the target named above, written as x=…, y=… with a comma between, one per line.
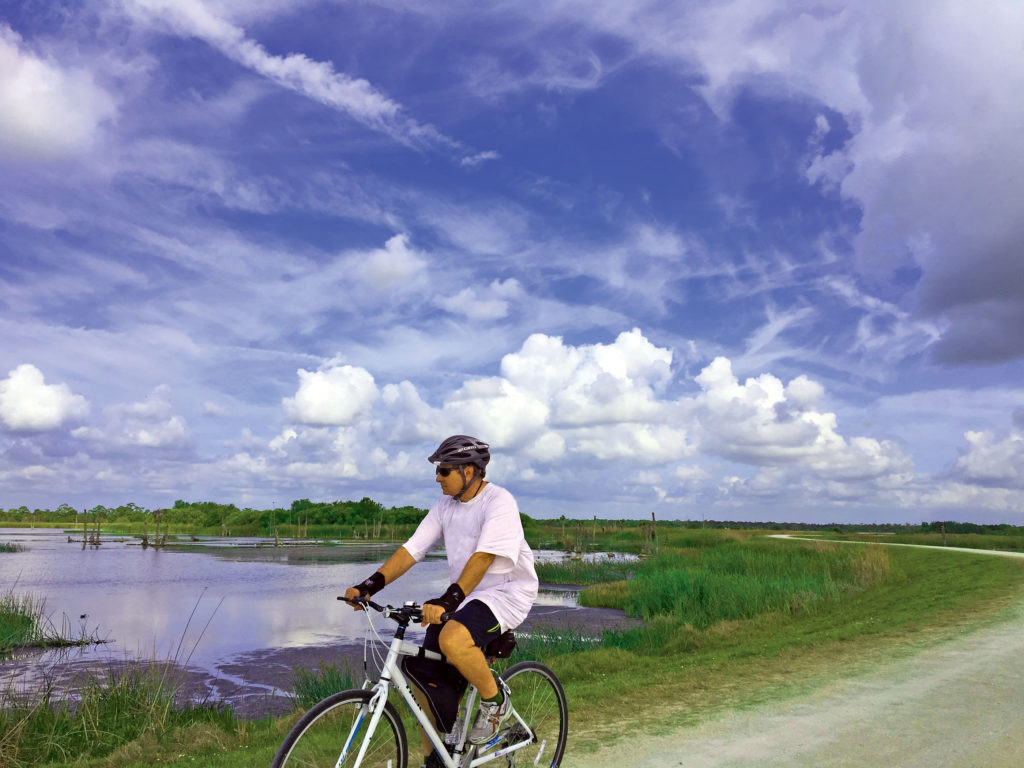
x=316, y=741
x=538, y=697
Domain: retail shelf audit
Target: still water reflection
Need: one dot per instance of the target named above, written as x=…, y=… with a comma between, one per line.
x=206, y=603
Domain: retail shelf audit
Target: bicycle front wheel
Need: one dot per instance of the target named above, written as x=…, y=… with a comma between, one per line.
x=332, y=733
x=538, y=698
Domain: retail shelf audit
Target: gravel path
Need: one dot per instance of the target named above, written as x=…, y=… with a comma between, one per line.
x=957, y=705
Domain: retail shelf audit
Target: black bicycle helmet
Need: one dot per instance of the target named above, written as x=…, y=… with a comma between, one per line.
x=459, y=450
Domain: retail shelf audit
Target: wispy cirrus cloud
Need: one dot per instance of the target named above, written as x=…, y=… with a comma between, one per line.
x=317, y=80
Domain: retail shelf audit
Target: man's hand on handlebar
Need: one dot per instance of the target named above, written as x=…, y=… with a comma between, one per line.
x=351, y=594
x=432, y=614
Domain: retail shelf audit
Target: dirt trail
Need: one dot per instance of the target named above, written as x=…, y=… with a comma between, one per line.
x=957, y=705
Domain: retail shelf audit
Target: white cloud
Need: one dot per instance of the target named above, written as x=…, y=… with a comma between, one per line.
x=28, y=403
x=412, y=420
x=490, y=303
x=217, y=410
x=333, y=396
x=764, y=423
x=46, y=111
x=509, y=416
x=391, y=266
x=592, y=384
x=472, y=161
x=150, y=423
x=317, y=80
x=992, y=461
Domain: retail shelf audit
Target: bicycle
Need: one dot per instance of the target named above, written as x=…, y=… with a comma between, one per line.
x=360, y=728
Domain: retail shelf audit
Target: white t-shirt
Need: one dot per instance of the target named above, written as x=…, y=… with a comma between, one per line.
x=489, y=522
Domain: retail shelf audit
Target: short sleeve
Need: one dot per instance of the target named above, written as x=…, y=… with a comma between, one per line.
x=426, y=535
x=502, y=533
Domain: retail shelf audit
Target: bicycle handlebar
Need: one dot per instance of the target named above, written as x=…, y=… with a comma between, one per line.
x=407, y=613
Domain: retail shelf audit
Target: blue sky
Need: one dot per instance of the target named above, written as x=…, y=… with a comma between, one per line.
x=734, y=260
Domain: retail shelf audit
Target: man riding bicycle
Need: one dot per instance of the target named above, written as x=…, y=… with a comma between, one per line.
x=494, y=583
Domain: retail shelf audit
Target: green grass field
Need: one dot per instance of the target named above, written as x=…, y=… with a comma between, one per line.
x=731, y=619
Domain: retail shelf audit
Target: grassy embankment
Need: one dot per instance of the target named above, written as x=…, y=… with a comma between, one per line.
x=732, y=619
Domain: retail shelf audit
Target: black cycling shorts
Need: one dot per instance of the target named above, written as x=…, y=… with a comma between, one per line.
x=474, y=616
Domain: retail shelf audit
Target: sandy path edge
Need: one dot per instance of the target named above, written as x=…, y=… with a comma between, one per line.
x=960, y=703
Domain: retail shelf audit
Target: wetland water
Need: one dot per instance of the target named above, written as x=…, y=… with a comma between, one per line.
x=256, y=612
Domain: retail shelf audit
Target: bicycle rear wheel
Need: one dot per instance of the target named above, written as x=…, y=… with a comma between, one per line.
x=331, y=733
x=539, y=699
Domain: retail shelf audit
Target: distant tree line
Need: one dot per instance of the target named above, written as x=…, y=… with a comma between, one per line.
x=936, y=527
x=208, y=515
x=304, y=514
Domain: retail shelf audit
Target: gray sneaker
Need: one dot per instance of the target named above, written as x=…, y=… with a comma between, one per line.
x=490, y=717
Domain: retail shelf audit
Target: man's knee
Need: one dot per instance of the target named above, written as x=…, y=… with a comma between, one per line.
x=455, y=639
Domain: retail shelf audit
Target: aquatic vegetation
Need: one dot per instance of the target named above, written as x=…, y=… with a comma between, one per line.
x=23, y=623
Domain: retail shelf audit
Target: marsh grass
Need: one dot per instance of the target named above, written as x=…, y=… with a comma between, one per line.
x=97, y=716
x=10, y=546
x=582, y=572
x=312, y=685
x=741, y=580
x=548, y=643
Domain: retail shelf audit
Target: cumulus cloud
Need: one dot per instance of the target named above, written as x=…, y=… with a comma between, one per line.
x=393, y=265
x=553, y=399
x=765, y=423
x=334, y=396
x=28, y=403
x=46, y=110
x=413, y=420
x=992, y=459
x=150, y=423
x=490, y=303
x=554, y=402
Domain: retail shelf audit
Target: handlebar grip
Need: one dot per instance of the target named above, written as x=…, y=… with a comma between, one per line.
x=361, y=601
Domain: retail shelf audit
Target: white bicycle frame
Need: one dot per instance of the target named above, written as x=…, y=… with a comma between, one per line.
x=391, y=677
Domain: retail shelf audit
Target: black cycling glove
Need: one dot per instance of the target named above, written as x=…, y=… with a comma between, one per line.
x=371, y=586
x=450, y=600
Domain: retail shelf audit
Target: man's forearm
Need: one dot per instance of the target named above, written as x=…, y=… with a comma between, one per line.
x=474, y=571
x=400, y=562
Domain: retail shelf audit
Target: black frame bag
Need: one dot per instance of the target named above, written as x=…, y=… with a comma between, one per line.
x=441, y=683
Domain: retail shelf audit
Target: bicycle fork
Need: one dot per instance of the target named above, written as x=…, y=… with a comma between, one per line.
x=375, y=708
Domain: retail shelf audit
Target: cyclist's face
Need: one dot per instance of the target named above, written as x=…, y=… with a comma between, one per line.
x=453, y=483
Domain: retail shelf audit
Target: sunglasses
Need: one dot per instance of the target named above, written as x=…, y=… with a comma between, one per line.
x=445, y=471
